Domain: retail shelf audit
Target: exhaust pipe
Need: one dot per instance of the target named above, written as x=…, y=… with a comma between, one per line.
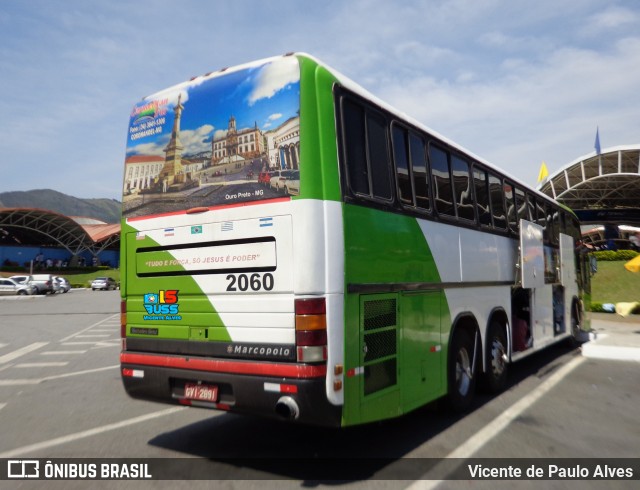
x=287, y=408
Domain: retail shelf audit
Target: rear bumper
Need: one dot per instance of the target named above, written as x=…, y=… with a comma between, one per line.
x=246, y=387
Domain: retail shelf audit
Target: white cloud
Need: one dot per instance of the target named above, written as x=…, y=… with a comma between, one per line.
x=196, y=141
x=220, y=134
x=274, y=77
x=613, y=17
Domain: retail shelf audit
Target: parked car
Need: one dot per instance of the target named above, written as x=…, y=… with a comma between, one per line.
x=63, y=286
x=264, y=178
x=10, y=287
x=286, y=180
x=106, y=283
x=23, y=279
x=44, y=283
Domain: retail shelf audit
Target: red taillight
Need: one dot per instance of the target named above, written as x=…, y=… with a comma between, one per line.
x=311, y=329
x=311, y=306
x=123, y=319
x=311, y=337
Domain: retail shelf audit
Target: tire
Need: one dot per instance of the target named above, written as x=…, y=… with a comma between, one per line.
x=21, y=293
x=495, y=376
x=461, y=371
x=576, y=325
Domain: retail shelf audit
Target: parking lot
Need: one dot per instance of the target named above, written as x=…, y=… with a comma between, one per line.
x=61, y=397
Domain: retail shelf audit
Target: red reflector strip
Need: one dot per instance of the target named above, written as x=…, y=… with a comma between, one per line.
x=355, y=372
x=298, y=371
x=280, y=388
x=132, y=373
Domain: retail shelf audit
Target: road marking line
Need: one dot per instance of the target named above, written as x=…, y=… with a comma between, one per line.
x=86, y=336
x=78, y=373
x=89, y=327
x=58, y=441
x=2, y=405
x=488, y=432
x=102, y=345
x=62, y=352
x=34, y=381
x=68, y=344
x=3, y=345
x=41, y=364
x=21, y=352
x=19, y=382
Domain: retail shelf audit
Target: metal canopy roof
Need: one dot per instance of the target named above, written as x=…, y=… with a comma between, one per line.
x=27, y=226
x=608, y=183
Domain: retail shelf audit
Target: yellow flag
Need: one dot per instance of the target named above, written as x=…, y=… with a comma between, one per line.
x=544, y=173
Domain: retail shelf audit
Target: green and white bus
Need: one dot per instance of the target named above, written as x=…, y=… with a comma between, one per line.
x=293, y=247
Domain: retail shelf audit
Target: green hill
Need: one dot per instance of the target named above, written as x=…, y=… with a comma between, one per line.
x=107, y=210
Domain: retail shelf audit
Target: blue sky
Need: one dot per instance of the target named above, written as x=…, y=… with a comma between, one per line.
x=516, y=82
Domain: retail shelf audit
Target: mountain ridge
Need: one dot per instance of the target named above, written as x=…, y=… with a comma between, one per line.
x=103, y=209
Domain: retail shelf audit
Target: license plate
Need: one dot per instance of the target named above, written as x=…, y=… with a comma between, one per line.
x=207, y=393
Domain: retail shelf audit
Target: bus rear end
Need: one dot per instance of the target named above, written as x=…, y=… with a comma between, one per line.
x=227, y=301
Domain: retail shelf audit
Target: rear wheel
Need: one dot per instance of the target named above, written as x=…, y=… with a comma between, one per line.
x=576, y=324
x=495, y=376
x=461, y=370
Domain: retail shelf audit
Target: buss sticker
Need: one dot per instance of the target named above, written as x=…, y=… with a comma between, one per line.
x=162, y=305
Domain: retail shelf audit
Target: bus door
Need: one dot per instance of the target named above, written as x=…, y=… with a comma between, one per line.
x=568, y=278
x=532, y=267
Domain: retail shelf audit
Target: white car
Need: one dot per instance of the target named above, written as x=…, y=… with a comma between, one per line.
x=106, y=283
x=11, y=287
x=62, y=284
x=287, y=181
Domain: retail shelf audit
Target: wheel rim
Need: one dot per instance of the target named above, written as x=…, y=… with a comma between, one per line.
x=498, y=360
x=463, y=372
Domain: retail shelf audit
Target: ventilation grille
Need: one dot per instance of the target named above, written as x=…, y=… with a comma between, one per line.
x=379, y=313
x=380, y=344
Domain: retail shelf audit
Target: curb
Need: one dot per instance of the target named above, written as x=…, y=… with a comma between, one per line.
x=595, y=348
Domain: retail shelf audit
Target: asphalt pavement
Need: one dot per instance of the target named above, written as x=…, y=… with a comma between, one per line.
x=613, y=337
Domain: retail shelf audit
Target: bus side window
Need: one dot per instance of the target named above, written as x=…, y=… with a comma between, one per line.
x=442, y=191
x=553, y=224
x=521, y=204
x=355, y=148
x=401, y=159
x=532, y=208
x=512, y=215
x=462, y=188
x=482, y=196
x=419, y=169
x=378, y=156
x=497, y=202
x=542, y=220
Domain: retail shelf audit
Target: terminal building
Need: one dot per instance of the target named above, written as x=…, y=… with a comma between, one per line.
x=50, y=239
x=603, y=189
